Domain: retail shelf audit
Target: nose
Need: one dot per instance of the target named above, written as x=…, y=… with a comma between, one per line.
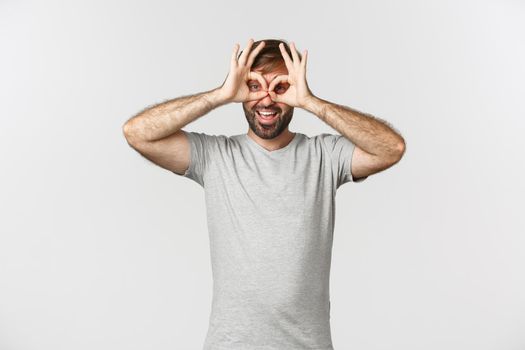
x=265, y=101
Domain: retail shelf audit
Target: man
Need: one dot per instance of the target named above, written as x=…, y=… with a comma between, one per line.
x=270, y=194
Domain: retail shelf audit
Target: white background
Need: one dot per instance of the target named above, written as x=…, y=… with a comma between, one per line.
x=101, y=249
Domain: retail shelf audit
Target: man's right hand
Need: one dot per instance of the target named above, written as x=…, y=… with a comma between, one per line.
x=235, y=88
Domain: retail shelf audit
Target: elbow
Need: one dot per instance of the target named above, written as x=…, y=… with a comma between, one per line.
x=129, y=134
x=401, y=147
x=126, y=129
x=395, y=153
x=399, y=151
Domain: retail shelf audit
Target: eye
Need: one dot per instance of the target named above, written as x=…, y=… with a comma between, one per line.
x=280, y=88
x=254, y=86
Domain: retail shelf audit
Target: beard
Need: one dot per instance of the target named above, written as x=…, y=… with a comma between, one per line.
x=268, y=131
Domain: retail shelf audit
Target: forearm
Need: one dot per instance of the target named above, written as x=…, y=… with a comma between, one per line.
x=161, y=120
x=364, y=130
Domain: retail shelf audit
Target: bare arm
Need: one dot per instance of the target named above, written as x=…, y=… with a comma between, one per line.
x=166, y=118
x=377, y=145
x=156, y=132
x=369, y=133
x=162, y=120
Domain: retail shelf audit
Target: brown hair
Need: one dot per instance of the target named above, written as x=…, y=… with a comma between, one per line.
x=270, y=57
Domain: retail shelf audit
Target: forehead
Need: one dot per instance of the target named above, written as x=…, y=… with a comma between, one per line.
x=271, y=75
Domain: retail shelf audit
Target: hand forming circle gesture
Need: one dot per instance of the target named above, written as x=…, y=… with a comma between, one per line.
x=235, y=87
x=298, y=92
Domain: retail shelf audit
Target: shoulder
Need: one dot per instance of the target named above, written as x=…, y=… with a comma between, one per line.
x=213, y=142
x=207, y=138
x=328, y=142
x=328, y=139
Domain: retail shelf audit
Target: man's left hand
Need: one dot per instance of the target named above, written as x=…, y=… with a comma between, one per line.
x=298, y=93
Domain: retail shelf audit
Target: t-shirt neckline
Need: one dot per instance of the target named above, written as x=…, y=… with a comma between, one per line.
x=264, y=150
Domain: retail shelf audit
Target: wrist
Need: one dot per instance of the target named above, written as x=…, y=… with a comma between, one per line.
x=216, y=97
x=312, y=104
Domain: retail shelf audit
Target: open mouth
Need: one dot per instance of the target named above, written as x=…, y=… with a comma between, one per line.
x=266, y=117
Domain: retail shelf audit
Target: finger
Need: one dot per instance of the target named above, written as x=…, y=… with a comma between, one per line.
x=233, y=60
x=305, y=56
x=246, y=51
x=260, y=79
x=295, y=56
x=254, y=53
x=257, y=95
x=277, y=80
x=274, y=96
x=287, y=59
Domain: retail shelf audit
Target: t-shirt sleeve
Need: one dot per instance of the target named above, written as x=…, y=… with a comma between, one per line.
x=201, y=147
x=340, y=149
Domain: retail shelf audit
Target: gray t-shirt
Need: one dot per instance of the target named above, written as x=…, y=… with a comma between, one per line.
x=270, y=217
